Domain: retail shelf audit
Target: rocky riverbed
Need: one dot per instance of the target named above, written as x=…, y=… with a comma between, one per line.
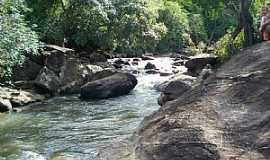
x=225, y=116
x=63, y=117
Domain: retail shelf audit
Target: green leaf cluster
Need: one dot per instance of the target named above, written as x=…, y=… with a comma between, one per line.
x=16, y=37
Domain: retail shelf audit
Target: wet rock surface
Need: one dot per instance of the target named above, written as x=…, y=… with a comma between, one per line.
x=5, y=105
x=225, y=117
x=115, y=85
x=11, y=98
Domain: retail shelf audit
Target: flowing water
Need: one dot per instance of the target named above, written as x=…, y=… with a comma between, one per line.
x=69, y=127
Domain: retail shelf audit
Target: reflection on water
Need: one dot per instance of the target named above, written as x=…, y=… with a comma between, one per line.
x=66, y=126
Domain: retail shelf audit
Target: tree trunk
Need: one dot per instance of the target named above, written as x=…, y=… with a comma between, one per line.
x=247, y=22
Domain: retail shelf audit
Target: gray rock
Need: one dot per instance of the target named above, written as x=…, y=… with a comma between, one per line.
x=152, y=71
x=54, y=60
x=63, y=50
x=225, y=117
x=97, y=57
x=135, y=63
x=150, y=66
x=147, y=58
x=177, y=57
x=48, y=81
x=73, y=75
x=165, y=74
x=136, y=60
x=121, y=62
x=20, y=98
x=179, y=63
x=5, y=105
x=197, y=63
x=117, y=66
x=28, y=71
x=172, y=91
x=103, y=74
x=116, y=85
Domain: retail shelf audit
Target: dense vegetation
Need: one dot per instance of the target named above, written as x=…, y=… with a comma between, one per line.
x=123, y=26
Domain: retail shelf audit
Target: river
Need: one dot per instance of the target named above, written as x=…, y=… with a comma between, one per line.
x=70, y=127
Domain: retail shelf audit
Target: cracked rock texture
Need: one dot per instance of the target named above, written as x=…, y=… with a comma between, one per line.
x=226, y=117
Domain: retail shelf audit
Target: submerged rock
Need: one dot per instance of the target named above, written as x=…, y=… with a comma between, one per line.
x=115, y=85
x=225, y=117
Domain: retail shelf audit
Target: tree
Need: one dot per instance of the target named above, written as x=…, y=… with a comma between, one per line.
x=16, y=37
x=245, y=22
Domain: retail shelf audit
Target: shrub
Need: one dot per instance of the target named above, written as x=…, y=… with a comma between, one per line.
x=16, y=38
x=221, y=47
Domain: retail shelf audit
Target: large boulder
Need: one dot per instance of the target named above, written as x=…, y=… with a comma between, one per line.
x=225, y=117
x=54, y=60
x=28, y=71
x=116, y=85
x=53, y=57
x=102, y=74
x=47, y=81
x=198, y=62
x=73, y=75
x=178, y=77
x=172, y=91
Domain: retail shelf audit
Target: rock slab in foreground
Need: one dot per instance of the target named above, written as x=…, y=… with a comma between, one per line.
x=226, y=117
x=116, y=85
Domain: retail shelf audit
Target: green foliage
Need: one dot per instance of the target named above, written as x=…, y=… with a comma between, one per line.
x=130, y=26
x=121, y=25
x=221, y=47
x=16, y=38
x=175, y=19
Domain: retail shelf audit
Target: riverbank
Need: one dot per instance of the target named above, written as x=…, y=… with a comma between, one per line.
x=68, y=127
x=54, y=126
x=224, y=117
x=63, y=71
